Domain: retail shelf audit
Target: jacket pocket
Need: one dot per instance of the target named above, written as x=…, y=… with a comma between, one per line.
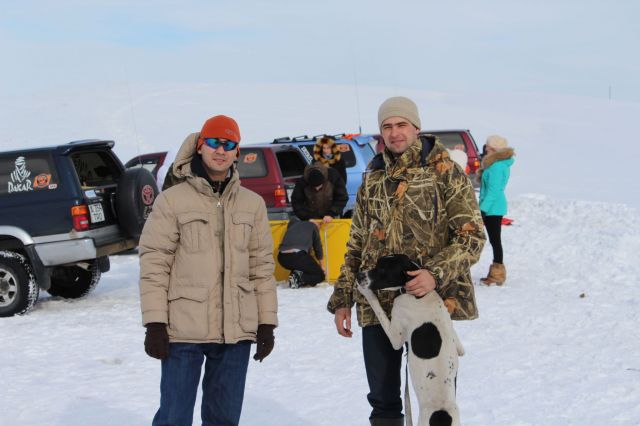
x=194, y=231
x=247, y=307
x=188, y=312
x=242, y=227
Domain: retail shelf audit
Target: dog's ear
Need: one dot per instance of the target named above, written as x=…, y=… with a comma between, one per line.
x=406, y=263
x=385, y=262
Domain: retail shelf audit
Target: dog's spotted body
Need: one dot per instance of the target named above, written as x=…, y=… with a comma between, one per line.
x=426, y=325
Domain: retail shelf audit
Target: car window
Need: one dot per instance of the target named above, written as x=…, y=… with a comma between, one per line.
x=29, y=172
x=95, y=168
x=291, y=163
x=451, y=140
x=148, y=163
x=251, y=163
x=347, y=155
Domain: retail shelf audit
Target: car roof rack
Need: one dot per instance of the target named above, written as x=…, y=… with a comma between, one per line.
x=304, y=138
x=336, y=136
x=282, y=139
x=286, y=139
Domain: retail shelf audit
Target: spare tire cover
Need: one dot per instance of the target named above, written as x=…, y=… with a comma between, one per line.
x=137, y=190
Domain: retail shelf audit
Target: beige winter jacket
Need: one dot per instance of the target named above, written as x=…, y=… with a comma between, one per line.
x=206, y=263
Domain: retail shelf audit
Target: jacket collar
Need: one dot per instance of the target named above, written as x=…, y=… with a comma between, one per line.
x=502, y=154
x=426, y=150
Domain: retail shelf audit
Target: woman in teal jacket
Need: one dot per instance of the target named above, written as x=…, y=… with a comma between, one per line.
x=496, y=165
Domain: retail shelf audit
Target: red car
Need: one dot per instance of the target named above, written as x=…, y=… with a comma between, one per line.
x=271, y=171
x=151, y=162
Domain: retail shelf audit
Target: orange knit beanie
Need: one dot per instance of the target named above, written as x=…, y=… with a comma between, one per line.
x=220, y=126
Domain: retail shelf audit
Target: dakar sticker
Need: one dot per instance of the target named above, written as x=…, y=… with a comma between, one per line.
x=250, y=157
x=41, y=181
x=19, y=180
x=344, y=147
x=148, y=195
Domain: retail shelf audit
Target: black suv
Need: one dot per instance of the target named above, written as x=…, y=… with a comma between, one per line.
x=63, y=211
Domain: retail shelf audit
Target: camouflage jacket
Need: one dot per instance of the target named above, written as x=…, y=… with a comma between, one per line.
x=421, y=205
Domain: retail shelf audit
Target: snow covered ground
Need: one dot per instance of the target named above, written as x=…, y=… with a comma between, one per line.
x=557, y=345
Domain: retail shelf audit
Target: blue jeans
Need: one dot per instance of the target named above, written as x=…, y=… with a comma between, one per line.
x=225, y=371
x=383, y=365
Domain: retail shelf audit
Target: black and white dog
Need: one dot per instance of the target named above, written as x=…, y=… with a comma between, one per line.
x=426, y=325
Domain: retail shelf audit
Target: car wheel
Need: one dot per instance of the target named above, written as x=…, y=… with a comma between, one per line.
x=136, y=192
x=18, y=287
x=72, y=282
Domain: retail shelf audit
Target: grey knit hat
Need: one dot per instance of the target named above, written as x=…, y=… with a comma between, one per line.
x=399, y=106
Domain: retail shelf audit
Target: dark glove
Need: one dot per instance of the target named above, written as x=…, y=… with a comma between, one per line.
x=156, y=340
x=264, y=341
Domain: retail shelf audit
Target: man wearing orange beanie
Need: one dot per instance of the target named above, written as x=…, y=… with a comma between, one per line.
x=221, y=127
x=218, y=127
x=206, y=280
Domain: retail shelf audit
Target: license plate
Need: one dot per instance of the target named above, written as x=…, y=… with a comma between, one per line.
x=289, y=192
x=96, y=213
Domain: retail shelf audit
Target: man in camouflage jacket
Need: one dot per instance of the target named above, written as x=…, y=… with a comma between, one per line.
x=416, y=201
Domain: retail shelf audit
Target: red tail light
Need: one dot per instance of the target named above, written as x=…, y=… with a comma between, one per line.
x=474, y=166
x=80, y=216
x=280, y=195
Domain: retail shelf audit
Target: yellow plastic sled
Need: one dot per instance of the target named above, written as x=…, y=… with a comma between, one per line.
x=334, y=236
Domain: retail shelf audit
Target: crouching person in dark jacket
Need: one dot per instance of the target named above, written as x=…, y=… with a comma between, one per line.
x=319, y=194
x=206, y=280
x=295, y=253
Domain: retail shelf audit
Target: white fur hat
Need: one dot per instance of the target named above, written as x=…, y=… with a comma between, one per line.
x=497, y=142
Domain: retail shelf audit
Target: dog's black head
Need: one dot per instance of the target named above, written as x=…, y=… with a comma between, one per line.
x=390, y=273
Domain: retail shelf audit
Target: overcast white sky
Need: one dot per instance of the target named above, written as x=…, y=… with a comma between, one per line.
x=562, y=47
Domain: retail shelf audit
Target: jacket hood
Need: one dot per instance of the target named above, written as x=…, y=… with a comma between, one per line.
x=435, y=153
x=182, y=166
x=182, y=163
x=316, y=166
x=335, y=152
